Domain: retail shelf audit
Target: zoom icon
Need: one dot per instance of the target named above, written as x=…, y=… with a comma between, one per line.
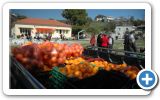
x=147, y=79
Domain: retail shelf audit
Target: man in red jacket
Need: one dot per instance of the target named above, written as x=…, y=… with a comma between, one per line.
x=104, y=41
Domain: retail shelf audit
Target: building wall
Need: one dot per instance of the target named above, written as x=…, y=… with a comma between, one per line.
x=109, y=18
x=120, y=30
x=99, y=19
x=56, y=33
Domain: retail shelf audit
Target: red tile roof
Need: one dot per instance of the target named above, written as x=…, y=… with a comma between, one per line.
x=46, y=22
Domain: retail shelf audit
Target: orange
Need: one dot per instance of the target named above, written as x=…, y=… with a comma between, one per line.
x=77, y=74
x=54, y=59
x=19, y=57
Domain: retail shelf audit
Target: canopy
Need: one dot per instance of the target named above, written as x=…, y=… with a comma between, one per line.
x=44, y=30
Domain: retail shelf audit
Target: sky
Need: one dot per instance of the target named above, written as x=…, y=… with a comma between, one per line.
x=56, y=13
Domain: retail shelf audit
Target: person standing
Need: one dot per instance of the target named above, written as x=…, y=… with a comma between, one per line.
x=99, y=40
x=93, y=40
x=61, y=36
x=127, y=45
x=132, y=42
x=126, y=41
x=104, y=41
x=110, y=42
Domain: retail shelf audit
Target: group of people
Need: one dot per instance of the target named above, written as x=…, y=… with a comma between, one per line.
x=103, y=40
x=40, y=36
x=107, y=41
x=26, y=36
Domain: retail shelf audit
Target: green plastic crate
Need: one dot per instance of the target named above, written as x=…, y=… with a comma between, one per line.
x=58, y=80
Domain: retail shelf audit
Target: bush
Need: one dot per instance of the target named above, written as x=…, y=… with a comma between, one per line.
x=18, y=36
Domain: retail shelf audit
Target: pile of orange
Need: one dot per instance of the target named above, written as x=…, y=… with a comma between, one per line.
x=109, y=66
x=45, y=55
x=101, y=64
x=75, y=61
x=81, y=70
x=131, y=72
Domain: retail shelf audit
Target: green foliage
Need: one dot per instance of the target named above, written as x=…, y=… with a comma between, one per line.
x=18, y=36
x=97, y=27
x=76, y=29
x=109, y=27
x=138, y=22
x=132, y=19
x=14, y=18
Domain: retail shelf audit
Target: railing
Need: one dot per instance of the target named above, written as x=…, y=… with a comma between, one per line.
x=116, y=51
x=24, y=77
x=116, y=56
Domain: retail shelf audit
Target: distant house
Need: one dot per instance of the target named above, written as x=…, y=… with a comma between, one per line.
x=103, y=18
x=120, y=30
x=42, y=27
x=121, y=21
x=109, y=18
x=100, y=18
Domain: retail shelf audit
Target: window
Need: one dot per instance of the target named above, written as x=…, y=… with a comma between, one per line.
x=57, y=31
x=67, y=31
x=25, y=30
x=63, y=31
x=60, y=31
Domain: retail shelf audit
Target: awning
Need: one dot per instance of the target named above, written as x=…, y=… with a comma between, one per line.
x=44, y=30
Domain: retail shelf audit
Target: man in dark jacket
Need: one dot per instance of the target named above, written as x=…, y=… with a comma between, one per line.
x=127, y=45
x=126, y=41
x=99, y=40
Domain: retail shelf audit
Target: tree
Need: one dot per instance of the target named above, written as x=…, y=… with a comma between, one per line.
x=131, y=19
x=13, y=19
x=89, y=20
x=138, y=22
x=76, y=29
x=95, y=27
x=110, y=26
x=75, y=16
x=92, y=30
x=19, y=16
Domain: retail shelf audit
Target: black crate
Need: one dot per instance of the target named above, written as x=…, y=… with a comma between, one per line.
x=102, y=80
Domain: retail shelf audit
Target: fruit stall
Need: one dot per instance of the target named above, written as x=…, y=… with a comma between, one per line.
x=62, y=66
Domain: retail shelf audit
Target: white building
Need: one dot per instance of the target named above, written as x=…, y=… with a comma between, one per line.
x=104, y=18
x=100, y=18
x=120, y=30
x=42, y=27
x=109, y=18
